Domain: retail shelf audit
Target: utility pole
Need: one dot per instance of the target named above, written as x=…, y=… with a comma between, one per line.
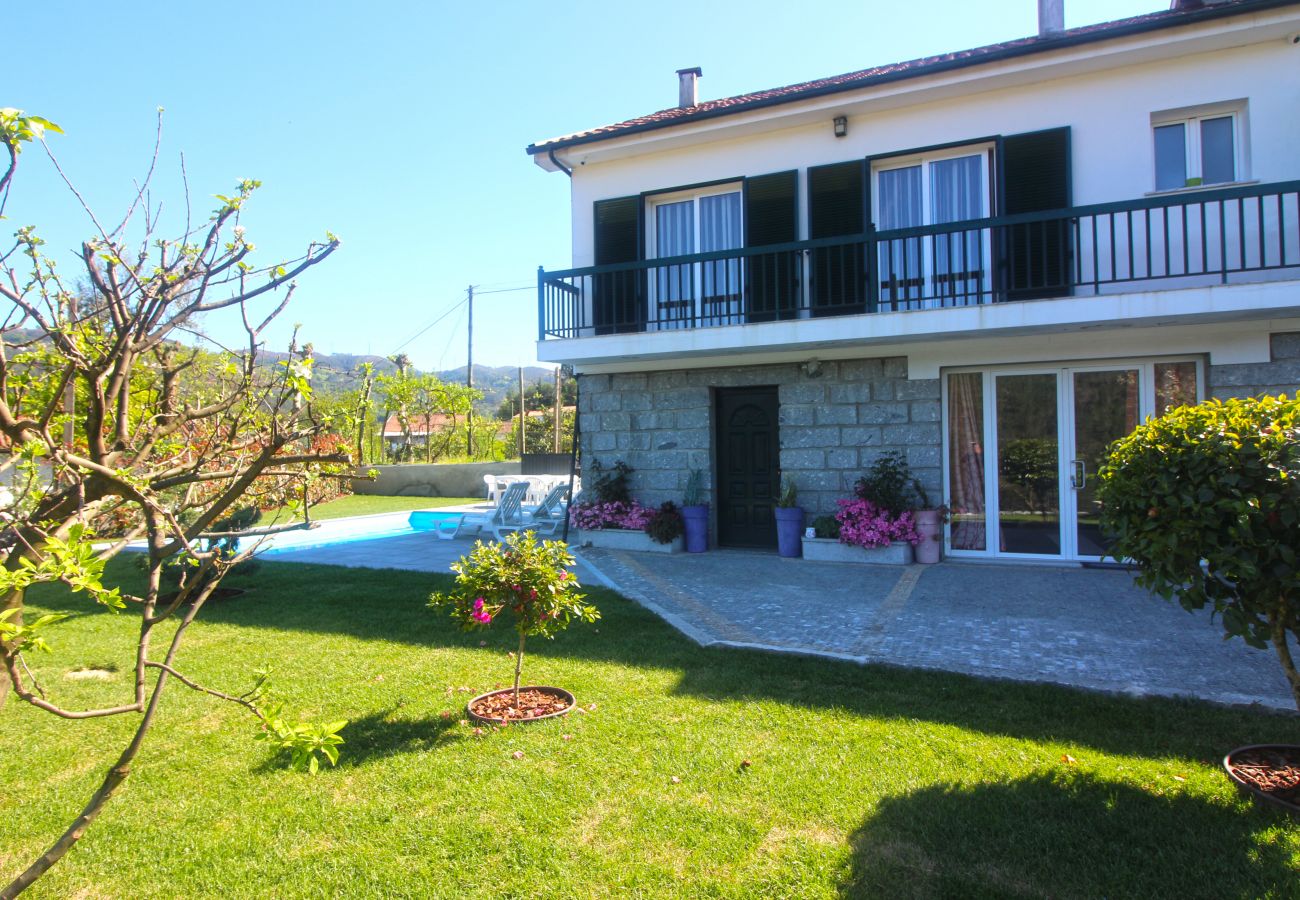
x=559, y=407
x=469, y=376
x=523, y=413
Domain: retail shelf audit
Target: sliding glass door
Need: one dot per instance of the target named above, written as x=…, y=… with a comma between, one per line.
x=943, y=269
x=1033, y=494
x=704, y=293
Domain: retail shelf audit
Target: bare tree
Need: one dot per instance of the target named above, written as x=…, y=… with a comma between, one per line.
x=107, y=436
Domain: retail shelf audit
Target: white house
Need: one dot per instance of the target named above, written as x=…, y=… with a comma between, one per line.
x=995, y=260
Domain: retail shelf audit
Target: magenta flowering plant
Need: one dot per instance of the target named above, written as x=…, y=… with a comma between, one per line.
x=864, y=524
x=527, y=580
x=612, y=514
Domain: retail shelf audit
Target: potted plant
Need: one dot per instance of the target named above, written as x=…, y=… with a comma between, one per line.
x=1204, y=502
x=889, y=485
x=609, y=518
x=789, y=520
x=695, y=513
x=530, y=582
x=862, y=532
x=666, y=524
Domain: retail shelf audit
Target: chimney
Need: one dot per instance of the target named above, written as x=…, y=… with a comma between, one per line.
x=686, y=81
x=1051, y=17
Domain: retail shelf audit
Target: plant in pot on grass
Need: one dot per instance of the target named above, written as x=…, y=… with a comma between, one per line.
x=1205, y=501
x=889, y=486
x=789, y=520
x=695, y=513
x=530, y=582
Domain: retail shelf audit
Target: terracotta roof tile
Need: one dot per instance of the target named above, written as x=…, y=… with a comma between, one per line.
x=894, y=71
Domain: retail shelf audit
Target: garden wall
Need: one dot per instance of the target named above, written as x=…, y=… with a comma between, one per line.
x=436, y=480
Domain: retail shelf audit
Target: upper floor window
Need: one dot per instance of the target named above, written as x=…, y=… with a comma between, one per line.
x=684, y=223
x=1192, y=150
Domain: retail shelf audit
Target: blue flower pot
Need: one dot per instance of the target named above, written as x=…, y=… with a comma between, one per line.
x=697, y=528
x=789, y=531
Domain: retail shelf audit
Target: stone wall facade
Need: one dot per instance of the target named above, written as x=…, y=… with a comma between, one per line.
x=1280, y=376
x=835, y=419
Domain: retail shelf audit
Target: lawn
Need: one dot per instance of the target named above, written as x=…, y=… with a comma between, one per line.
x=368, y=505
x=860, y=782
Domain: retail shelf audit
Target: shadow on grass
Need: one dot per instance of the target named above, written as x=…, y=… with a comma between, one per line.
x=391, y=606
x=387, y=733
x=1065, y=836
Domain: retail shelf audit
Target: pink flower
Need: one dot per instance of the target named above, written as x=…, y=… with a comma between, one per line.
x=532, y=595
x=564, y=575
x=479, y=615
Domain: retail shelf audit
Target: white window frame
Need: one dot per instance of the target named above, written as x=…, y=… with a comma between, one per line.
x=1190, y=118
x=653, y=202
x=988, y=180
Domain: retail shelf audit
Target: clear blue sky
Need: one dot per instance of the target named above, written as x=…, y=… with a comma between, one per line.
x=401, y=127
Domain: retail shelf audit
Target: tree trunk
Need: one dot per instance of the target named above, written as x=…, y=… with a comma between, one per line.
x=1284, y=652
x=519, y=664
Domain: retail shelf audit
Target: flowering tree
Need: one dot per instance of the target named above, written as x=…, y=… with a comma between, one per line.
x=107, y=436
x=527, y=580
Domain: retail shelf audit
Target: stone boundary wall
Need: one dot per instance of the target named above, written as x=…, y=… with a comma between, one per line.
x=835, y=419
x=1281, y=376
x=433, y=480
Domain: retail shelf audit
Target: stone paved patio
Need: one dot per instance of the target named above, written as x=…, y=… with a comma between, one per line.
x=1089, y=628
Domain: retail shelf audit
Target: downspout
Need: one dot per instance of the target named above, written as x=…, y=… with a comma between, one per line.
x=550, y=154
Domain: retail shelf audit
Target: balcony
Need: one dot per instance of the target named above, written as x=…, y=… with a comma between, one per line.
x=1192, y=239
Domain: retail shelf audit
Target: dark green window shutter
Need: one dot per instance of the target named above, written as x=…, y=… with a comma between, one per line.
x=618, y=302
x=772, y=217
x=1038, y=257
x=837, y=203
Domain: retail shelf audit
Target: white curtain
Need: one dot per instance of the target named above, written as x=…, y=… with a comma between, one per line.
x=900, y=207
x=720, y=230
x=674, y=285
x=956, y=195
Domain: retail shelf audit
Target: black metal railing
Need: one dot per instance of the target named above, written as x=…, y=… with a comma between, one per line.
x=1189, y=239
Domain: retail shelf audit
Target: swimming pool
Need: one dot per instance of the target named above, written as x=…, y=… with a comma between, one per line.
x=358, y=528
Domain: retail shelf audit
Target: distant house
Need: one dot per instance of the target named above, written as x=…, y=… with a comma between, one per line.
x=422, y=427
x=995, y=260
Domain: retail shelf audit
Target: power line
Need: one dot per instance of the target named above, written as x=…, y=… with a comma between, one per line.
x=527, y=287
x=430, y=325
x=451, y=335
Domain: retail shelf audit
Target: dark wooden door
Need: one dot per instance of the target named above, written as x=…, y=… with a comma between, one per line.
x=748, y=460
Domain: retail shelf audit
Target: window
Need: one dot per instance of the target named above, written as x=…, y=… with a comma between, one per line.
x=704, y=293
x=1198, y=149
x=948, y=268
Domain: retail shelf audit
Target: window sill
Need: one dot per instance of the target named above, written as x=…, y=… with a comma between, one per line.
x=1198, y=188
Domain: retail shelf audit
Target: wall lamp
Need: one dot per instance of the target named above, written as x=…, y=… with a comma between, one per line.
x=841, y=125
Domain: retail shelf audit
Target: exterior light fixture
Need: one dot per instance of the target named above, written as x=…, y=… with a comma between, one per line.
x=841, y=126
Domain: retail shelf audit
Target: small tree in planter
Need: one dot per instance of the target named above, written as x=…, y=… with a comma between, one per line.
x=789, y=520
x=1206, y=501
x=695, y=513
x=530, y=581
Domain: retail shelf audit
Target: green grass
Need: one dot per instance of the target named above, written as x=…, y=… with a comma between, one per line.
x=367, y=505
x=863, y=781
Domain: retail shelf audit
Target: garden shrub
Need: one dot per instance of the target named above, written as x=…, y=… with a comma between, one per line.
x=665, y=524
x=1205, y=500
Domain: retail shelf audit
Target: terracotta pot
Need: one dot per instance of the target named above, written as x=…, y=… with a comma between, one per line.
x=789, y=530
x=929, y=524
x=1280, y=755
x=490, y=720
x=696, y=519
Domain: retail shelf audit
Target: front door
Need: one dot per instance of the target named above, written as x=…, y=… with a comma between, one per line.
x=747, y=466
x=1048, y=429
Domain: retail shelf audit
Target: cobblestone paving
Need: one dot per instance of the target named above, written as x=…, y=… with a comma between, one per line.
x=1087, y=628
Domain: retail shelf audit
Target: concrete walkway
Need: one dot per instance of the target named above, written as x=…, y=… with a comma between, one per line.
x=1089, y=628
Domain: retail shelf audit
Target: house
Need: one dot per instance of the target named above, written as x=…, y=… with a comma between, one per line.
x=996, y=261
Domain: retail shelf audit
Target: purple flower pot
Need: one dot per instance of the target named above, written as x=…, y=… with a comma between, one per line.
x=697, y=528
x=789, y=530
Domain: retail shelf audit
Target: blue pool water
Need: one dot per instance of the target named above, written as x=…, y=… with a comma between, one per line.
x=360, y=528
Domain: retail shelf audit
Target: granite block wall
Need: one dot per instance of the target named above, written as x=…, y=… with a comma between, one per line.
x=1279, y=376
x=835, y=419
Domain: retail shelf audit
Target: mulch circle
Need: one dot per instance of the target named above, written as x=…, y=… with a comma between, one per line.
x=535, y=703
x=1267, y=772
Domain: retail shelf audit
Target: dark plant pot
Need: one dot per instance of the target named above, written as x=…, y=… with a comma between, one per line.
x=697, y=528
x=1281, y=760
x=789, y=531
x=546, y=689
